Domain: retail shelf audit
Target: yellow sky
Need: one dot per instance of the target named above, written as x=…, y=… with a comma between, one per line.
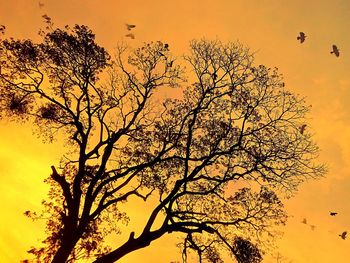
x=269, y=27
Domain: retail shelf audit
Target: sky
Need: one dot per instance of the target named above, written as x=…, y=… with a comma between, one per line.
x=267, y=27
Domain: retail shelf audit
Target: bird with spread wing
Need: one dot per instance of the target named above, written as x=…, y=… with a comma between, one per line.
x=335, y=50
x=131, y=35
x=343, y=235
x=301, y=37
x=129, y=26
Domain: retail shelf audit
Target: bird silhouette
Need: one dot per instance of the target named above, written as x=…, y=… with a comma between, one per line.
x=166, y=46
x=129, y=26
x=304, y=221
x=335, y=50
x=302, y=128
x=343, y=235
x=333, y=213
x=301, y=37
x=132, y=36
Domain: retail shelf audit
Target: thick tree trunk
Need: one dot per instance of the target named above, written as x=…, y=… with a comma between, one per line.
x=69, y=239
x=64, y=250
x=131, y=245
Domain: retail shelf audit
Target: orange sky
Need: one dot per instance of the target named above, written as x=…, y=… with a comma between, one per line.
x=269, y=27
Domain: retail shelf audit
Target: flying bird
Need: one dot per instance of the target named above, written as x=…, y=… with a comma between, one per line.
x=343, y=235
x=129, y=26
x=333, y=213
x=335, y=50
x=301, y=37
x=132, y=36
x=304, y=221
x=302, y=128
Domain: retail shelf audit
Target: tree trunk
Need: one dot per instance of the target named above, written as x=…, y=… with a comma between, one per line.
x=63, y=252
x=68, y=242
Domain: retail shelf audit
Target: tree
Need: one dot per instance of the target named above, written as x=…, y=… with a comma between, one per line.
x=234, y=123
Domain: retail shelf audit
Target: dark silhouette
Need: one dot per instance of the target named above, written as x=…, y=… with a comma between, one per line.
x=304, y=221
x=245, y=251
x=343, y=235
x=335, y=50
x=188, y=153
x=129, y=26
x=312, y=227
x=166, y=46
x=301, y=37
x=333, y=213
x=302, y=128
x=131, y=35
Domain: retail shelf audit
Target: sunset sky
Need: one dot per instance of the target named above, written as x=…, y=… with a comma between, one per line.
x=267, y=27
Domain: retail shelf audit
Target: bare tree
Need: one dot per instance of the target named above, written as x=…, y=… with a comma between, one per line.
x=234, y=123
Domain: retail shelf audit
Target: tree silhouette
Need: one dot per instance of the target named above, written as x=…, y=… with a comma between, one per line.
x=234, y=123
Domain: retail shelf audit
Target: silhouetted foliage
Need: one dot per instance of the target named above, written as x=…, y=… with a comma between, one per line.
x=235, y=123
x=245, y=251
